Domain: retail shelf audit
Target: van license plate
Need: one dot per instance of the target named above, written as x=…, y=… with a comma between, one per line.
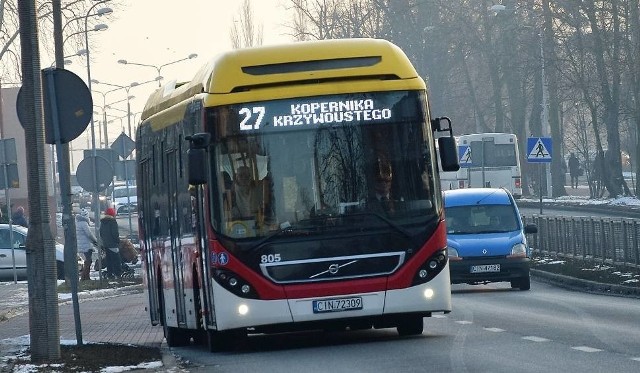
x=485, y=268
x=337, y=305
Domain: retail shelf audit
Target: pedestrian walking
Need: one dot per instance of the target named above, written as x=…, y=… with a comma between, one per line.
x=110, y=236
x=86, y=242
x=574, y=170
x=19, y=218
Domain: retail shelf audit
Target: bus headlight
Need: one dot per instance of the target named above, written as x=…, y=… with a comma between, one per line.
x=234, y=283
x=243, y=309
x=430, y=268
x=428, y=293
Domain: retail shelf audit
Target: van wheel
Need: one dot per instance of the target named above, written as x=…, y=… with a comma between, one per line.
x=522, y=283
x=412, y=325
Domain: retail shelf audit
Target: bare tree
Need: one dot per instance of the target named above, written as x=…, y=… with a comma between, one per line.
x=245, y=32
x=484, y=66
x=73, y=12
x=334, y=19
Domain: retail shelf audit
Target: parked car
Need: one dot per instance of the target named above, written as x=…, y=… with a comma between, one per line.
x=486, y=237
x=125, y=199
x=19, y=252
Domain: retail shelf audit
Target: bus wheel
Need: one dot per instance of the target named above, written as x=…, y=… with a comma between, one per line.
x=412, y=325
x=176, y=337
x=227, y=340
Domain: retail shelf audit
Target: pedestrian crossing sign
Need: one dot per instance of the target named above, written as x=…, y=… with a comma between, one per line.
x=464, y=156
x=539, y=149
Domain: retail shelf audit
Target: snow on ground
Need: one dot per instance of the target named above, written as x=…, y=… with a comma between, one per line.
x=583, y=199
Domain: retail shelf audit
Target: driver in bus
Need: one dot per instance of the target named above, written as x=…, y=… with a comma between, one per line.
x=381, y=201
x=247, y=195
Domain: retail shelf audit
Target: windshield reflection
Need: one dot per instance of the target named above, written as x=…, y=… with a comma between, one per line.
x=341, y=177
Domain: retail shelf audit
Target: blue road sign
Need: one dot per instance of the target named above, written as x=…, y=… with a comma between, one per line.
x=539, y=149
x=464, y=156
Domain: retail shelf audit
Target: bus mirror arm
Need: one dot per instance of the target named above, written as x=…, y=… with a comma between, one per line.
x=436, y=125
x=199, y=140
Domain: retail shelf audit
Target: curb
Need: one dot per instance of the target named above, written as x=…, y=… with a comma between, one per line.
x=586, y=286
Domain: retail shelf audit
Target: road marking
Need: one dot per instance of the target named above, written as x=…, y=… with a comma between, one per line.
x=533, y=338
x=495, y=330
x=586, y=349
x=635, y=358
x=439, y=316
x=464, y=322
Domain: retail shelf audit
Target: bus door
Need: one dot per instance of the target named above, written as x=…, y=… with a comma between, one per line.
x=174, y=236
x=197, y=176
x=206, y=294
x=145, y=213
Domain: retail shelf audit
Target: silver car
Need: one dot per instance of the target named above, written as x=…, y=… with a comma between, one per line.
x=19, y=253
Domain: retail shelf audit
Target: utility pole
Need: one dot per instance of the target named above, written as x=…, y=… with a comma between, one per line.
x=64, y=175
x=41, y=261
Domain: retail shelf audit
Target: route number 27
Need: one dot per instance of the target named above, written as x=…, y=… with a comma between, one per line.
x=251, y=118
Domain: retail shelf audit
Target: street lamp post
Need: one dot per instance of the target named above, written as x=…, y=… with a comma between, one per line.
x=95, y=199
x=158, y=67
x=129, y=97
x=104, y=106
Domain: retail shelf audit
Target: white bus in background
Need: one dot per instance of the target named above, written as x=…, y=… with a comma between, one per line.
x=490, y=160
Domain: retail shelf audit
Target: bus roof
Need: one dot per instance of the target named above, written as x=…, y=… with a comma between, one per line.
x=252, y=69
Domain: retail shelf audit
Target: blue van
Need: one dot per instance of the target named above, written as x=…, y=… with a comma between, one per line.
x=486, y=238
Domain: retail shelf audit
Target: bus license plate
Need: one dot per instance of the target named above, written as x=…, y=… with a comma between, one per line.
x=337, y=305
x=485, y=268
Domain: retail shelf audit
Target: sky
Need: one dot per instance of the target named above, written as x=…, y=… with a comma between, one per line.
x=157, y=32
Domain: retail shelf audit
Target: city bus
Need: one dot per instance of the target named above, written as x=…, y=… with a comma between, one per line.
x=316, y=125
x=490, y=160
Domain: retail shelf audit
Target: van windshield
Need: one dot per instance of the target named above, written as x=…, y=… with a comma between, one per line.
x=481, y=219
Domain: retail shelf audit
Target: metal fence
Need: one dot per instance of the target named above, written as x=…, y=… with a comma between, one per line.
x=598, y=240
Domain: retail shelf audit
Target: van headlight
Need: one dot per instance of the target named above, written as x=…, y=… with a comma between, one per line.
x=518, y=250
x=453, y=254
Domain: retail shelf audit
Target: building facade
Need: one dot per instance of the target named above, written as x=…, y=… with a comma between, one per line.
x=10, y=127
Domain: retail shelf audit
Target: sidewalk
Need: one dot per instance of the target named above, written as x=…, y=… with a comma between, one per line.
x=106, y=316
x=581, y=191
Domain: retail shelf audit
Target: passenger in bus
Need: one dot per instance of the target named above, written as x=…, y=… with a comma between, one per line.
x=247, y=195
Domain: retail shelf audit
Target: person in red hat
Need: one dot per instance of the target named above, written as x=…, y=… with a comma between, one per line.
x=110, y=235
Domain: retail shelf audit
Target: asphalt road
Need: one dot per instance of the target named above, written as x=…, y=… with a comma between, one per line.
x=492, y=328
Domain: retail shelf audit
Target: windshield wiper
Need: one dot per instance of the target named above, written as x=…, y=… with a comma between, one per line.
x=282, y=230
x=390, y=223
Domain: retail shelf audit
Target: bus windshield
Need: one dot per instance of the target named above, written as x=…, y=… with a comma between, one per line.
x=322, y=164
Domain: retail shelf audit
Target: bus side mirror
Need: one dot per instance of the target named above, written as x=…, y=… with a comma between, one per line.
x=197, y=158
x=448, y=154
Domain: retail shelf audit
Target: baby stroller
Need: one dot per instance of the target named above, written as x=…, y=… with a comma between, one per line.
x=128, y=257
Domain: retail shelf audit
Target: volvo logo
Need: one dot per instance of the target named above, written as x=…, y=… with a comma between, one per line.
x=484, y=251
x=333, y=269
